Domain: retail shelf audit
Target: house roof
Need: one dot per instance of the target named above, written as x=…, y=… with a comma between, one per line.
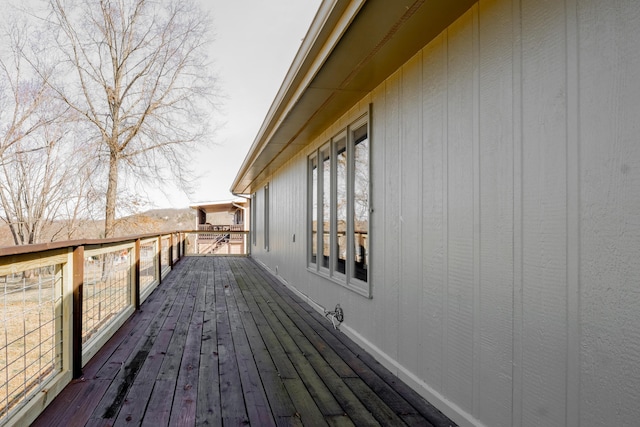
x=350, y=48
x=220, y=205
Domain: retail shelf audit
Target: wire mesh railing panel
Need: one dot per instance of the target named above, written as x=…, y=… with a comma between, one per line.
x=106, y=291
x=191, y=244
x=164, y=254
x=30, y=347
x=176, y=249
x=148, y=264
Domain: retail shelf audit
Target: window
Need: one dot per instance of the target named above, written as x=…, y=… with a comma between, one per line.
x=253, y=219
x=313, y=209
x=338, y=205
x=360, y=184
x=266, y=217
x=325, y=203
x=238, y=217
x=340, y=260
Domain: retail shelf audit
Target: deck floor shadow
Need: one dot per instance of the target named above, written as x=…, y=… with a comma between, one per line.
x=222, y=342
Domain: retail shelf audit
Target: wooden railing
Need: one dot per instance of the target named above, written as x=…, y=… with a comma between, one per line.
x=218, y=240
x=62, y=302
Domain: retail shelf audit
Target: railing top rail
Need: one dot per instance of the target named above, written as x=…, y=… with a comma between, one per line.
x=43, y=247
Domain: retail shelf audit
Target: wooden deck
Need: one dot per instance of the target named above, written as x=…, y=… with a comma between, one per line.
x=222, y=342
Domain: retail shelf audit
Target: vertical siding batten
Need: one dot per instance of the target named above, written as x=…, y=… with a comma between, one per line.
x=445, y=215
x=573, y=219
x=517, y=292
x=378, y=217
x=433, y=272
x=544, y=222
x=459, y=374
x=476, y=227
x=494, y=188
x=410, y=250
x=392, y=210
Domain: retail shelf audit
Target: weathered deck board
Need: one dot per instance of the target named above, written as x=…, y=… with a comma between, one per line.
x=223, y=342
x=314, y=370
x=233, y=407
x=402, y=399
x=208, y=410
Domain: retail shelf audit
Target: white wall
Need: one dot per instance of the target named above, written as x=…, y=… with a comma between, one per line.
x=505, y=258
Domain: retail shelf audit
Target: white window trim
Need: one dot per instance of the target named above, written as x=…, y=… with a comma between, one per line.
x=254, y=211
x=266, y=193
x=346, y=279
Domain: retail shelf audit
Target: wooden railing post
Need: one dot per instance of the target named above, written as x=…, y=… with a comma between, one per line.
x=136, y=274
x=171, y=251
x=159, y=258
x=78, y=281
x=178, y=247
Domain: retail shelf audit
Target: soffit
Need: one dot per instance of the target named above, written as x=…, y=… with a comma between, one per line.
x=381, y=37
x=220, y=206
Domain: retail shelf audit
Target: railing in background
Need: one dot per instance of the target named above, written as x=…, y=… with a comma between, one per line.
x=217, y=240
x=220, y=227
x=62, y=302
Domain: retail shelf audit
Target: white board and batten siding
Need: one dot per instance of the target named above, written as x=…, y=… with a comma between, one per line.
x=505, y=257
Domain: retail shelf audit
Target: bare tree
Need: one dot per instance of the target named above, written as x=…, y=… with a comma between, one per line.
x=76, y=217
x=32, y=189
x=30, y=135
x=22, y=94
x=136, y=72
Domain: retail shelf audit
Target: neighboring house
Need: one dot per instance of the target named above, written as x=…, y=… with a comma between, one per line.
x=221, y=212
x=221, y=219
x=463, y=178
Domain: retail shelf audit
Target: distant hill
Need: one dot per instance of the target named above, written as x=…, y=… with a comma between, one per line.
x=157, y=220
x=151, y=221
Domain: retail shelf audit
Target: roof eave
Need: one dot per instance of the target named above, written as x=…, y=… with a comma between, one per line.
x=351, y=47
x=306, y=63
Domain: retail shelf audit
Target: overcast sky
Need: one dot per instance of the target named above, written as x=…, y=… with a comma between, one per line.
x=255, y=43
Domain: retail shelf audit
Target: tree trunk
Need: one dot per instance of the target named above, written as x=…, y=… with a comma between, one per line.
x=16, y=238
x=112, y=191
